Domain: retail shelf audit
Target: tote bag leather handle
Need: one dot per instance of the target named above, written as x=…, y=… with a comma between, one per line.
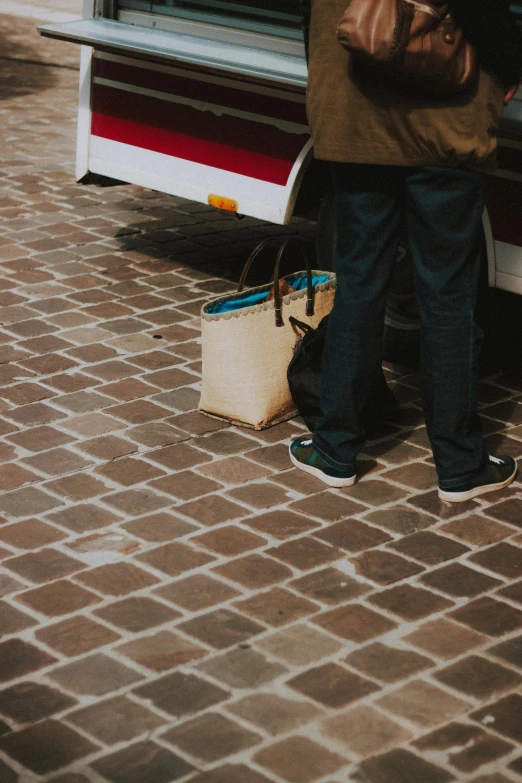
x=276, y=280
x=252, y=257
x=309, y=283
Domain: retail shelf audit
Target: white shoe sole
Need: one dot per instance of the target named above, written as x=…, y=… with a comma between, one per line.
x=336, y=483
x=461, y=497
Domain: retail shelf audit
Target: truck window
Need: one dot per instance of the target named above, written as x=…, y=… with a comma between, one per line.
x=279, y=17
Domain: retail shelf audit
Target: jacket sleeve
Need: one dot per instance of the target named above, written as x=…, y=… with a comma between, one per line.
x=492, y=29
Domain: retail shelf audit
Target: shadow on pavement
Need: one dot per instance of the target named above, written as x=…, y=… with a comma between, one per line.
x=25, y=58
x=19, y=75
x=21, y=78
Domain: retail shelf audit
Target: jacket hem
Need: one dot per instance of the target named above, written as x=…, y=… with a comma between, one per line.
x=387, y=157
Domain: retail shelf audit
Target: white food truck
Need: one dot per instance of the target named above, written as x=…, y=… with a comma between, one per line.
x=205, y=99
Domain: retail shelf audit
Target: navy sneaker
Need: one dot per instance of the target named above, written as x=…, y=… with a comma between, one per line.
x=498, y=473
x=305, y=457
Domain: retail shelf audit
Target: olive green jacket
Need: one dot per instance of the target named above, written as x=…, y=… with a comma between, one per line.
x=357, y=120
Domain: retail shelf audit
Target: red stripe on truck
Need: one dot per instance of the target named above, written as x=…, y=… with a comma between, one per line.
x=229, y=143
x=504, y=199
x=191, y=87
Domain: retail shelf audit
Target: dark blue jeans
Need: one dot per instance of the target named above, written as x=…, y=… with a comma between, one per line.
x=442, y=208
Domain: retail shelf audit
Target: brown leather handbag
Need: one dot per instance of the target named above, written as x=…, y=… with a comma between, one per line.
x=415, y=44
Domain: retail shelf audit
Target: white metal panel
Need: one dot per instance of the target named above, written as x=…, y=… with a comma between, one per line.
x=214, y=32
x=171, y=46
x=509, y=283
x=194, y=181
x=83, y=137
x=295, y=179
x=508, y=259
x=490, y=248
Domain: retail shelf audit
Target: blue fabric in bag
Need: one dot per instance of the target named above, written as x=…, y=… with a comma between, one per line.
x=249, y=299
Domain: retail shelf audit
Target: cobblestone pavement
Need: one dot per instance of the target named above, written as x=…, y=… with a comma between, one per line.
x=178, y=602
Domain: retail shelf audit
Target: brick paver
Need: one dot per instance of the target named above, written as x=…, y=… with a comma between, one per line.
x=178, y=603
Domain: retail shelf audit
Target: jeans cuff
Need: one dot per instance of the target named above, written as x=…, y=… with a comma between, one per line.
x=333, y=462
x=452, y=483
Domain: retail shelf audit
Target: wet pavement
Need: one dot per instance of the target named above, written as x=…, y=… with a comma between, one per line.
x=178, y=602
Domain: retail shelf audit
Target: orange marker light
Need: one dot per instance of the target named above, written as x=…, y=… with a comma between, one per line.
x=222, y=203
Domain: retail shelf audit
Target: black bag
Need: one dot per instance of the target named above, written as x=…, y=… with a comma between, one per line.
x=304, y=379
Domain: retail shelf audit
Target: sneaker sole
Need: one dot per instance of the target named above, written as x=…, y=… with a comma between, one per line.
x=336, y=483
x=461, y=497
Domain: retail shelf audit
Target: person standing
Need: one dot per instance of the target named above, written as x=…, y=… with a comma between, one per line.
x=394, y=156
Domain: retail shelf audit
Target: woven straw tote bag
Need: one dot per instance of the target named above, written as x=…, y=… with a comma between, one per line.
x=248, y=342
